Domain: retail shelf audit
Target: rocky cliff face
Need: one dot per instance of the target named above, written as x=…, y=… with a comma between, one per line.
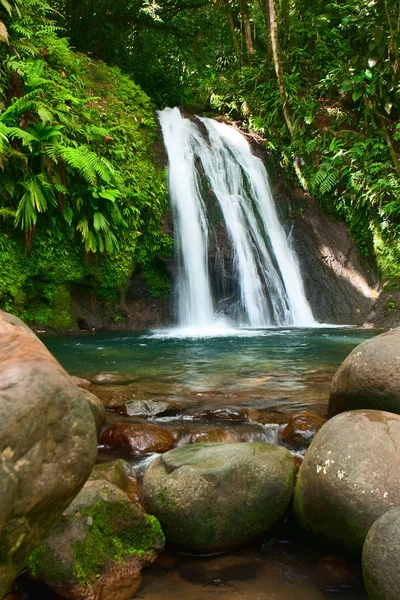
x=341, y=285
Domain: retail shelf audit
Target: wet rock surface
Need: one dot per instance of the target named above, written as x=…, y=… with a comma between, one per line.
x=350, y=476
x=213, y=497
x=144, y=407
x=98, y=548
x=47, y=443
x=137, y=438
x=121, y=474
x=369, y=377
x=341, y=284
x=301, y=429
x=109, y=378
x=380, y=557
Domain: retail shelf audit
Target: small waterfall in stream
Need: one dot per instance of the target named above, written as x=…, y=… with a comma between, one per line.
x=210, y=163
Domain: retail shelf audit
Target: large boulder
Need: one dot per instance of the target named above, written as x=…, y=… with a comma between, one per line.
x=98, y=548
x=213, y=497
x=48, y=444
x=350, y=476
x=369, y=377
x=380, y=557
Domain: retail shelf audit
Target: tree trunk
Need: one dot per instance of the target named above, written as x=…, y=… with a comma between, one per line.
x=285, y=8
x=231, y=25
x=273, y=25
x=265, y=11
x=244, y=13
x=388, y=140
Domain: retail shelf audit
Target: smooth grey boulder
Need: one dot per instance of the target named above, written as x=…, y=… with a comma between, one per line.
x=48, y=444
x=369, y=377
x=214, y=497
x=380, y=557
x=350, y=476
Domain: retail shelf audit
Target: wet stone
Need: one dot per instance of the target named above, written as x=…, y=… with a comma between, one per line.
x=85, y=384
x=137, y=438
x=220, y=414
x=301, y=429
x=147, y=408
x=105, y=378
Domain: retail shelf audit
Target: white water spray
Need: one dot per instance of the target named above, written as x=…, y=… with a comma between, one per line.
x=270, y=289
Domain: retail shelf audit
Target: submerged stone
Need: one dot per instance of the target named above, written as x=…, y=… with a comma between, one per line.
x=214, y=497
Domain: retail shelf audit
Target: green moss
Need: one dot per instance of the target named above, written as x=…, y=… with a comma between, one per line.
x=390, y=306
x=106, y=532
x=43, y=563
x=114, y=535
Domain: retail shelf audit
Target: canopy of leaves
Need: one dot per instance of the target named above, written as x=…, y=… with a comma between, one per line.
x=341, y=69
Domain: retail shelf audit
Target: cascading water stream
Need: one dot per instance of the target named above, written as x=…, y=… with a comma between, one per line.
x=270, y=291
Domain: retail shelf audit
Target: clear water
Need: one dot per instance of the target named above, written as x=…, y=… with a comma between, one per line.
x=274, y=370
x=278, y=369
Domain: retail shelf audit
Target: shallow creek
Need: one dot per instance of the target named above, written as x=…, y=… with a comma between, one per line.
x=270, y=372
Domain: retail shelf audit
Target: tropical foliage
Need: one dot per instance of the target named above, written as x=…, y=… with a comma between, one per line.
x=318, y=80
x=77, y=180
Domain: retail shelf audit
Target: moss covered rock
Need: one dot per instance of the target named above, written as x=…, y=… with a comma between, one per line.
x=350, y=476
x=213, y=497
x=120, y=473
x=97, y=549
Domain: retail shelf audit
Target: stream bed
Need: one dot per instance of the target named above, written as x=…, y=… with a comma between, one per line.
x=267, y=372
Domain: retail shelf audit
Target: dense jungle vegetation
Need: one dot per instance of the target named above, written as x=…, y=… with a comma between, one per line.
x=81, y=197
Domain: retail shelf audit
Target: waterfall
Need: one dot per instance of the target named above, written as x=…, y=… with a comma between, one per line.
x=211, y=162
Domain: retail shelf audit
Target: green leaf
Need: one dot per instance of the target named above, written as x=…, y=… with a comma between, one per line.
x=99, y=221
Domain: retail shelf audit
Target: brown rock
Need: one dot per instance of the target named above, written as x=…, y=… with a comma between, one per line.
x=104, y=378
x=84, y=384
x=271, y=418
x=220, y=414
x=137, y=438
x=301, y=429
x=48, y=443
x=225, y=436
x=97, y=408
